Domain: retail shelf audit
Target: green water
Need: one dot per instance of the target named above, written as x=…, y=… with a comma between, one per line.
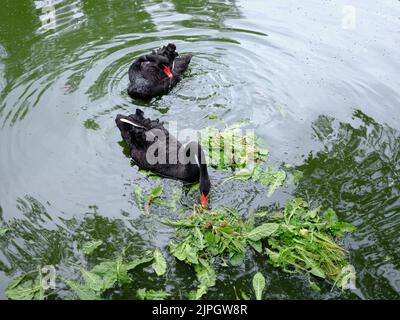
x=324, y=96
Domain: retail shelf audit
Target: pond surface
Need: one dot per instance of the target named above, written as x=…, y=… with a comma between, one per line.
x=319, y=81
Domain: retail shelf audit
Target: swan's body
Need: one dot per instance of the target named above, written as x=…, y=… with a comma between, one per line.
x=155, y=74
x=153, y=148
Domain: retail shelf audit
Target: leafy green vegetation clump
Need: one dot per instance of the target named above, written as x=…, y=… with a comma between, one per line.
x=110, y=273
x=91, y=124
x=26, y=288
x=94, y=282
x=305, y=242
x=242, y=151
x=298, y=240
x=230, y=148
x=206, y=237
x=144, y=202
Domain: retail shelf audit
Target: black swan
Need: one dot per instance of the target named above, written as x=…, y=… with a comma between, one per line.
x=155, y=74
x=153, y=148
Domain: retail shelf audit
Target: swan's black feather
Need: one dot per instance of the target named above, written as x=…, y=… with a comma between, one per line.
x=147, y=77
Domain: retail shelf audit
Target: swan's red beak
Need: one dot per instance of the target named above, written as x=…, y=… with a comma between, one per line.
x=204, y=200
x=167, y=71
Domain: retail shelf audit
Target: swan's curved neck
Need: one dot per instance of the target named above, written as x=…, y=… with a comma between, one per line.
x=199, y=158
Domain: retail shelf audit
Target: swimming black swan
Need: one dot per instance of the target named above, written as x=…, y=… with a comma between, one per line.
x=153, y=148
x=155, y=74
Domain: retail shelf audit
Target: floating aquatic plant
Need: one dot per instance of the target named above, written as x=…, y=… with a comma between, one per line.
x=244, y=153
x=109, y=273
x=144, y=294
x=144, y=202
x=26, y=288
x=93, y=282
x=306, y=242
x=231, y=149
x=91, y=246
x=298, y=239
x=258, y=285
x=91, y=124
x=3, y=231
x=206, y=237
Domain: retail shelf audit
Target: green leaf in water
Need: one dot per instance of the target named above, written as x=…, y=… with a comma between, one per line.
x=244, y=295
x=273, y=180
x=340, y=228
x=207, y=277
x=19, y=289
x=156, y=192
x=83, y=292
x=243, y=175
x=262, y=231
x=306, y=243
x=91, y=124
x=199, y=237
x=178, y=250
x=258, y=285
x=346, y=278
x=90, y=246
x=231, y=148
x=237, y=258
x=3, y=231
x=138, y=262
x=257, y=245
x=160, y=265
x=179, y=223
x=92, y=280
x=331, y=217
x=144, y=294
x=313, y=285
x=112, y=271
x=26, y=289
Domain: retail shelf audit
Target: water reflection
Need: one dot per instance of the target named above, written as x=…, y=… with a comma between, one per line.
x=41, y=238
x=357, y=173
x=207, y=14
x=59, y=14
x=273, y=65
x=3, y=56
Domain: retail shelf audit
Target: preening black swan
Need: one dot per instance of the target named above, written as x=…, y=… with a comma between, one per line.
x=155, y=74
x=153, y=148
